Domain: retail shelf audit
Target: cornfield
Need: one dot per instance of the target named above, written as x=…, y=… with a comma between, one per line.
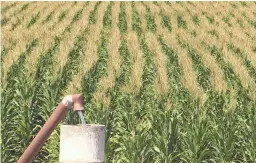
x=171, y=81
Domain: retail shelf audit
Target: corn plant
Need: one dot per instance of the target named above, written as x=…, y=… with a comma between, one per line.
x=195, y=19
x=168, y=3
x=62, y=15
x=248, y=136
x=6, y=8
x=4, y=52
x=181, y=22
x=229, y=75
x=151, y=25
x=40, y=84
x=11, y=106
x=107, y=19
x=226, y=19
x=136, y=22
x=225, y=135
x=91, y=79
x=210, y=19
x=19, y=122
x=149, y=72
x=203, y=73
x=125, y=69
x=166, y=138
x=33, y=20
x=24, y=7
x=4, y=21
x=147, y=94
x=97, y=71
x=252, y=23
x=77, y=16
x=214, y=33
x=196, y=140
x=17, y=23
x=166, y=23
x=43, y=71
x=48, y=17
x=92, y=16
x=120, y=104
x=155, y=3
x=14, y=69
x=122, y=24
x=179, y=96
x=243, y=4
x=72, y=65
x=174, y=71
x=89, y=83
x=247, y=63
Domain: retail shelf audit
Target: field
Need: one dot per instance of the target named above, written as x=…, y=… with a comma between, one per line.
x=172, y=81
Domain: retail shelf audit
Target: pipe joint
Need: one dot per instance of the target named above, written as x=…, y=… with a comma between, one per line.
x=76, y=99
x=78, y=102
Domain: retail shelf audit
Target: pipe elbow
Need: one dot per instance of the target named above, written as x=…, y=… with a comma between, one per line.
x=76, y=100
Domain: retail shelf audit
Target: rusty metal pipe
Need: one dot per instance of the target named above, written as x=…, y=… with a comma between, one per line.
x=58, y=115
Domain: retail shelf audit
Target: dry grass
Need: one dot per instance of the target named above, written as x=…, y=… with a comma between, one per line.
x=208, y=60
x=21, y=36
x=222, y=42
x=161, y=81
x=114, y=60
x=160, y=59
x=135, y=52
x=11, y=11
x=69, y=37
x=46, y=39
x=160, y=63
x=90, y=50
x=24, y=17
x=142, y=11
x=189, y=76
x=137, y=63
x=204, y=27
x=239, y=37
x=128, y=11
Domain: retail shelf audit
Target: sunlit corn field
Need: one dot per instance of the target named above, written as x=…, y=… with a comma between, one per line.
x=172, y=81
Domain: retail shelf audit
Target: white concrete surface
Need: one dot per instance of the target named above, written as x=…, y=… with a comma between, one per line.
x=82, y=143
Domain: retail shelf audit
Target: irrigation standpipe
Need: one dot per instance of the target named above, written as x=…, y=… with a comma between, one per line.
x=58, y=115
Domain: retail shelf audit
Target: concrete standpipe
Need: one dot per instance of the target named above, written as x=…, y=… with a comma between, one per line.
x=82, y=143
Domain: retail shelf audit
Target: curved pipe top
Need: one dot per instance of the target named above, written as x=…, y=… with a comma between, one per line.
x=76, y=99
x=78, y=102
